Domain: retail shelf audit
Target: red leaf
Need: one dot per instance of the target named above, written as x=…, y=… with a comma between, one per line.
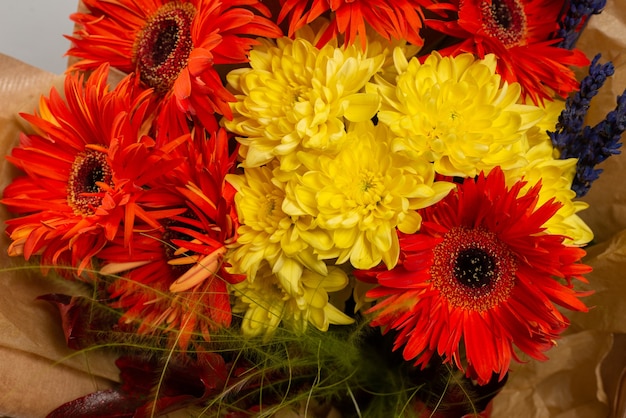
x=83, y=320
x=185, y=382
x=103, y=404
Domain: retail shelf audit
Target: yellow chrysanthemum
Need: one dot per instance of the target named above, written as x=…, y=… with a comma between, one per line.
x=455, y=112
x=552, y=111
x=362, y=194
x=297, y=97
x=556, y=177
x=267, y=233
x=264, y=303
x=376, y=46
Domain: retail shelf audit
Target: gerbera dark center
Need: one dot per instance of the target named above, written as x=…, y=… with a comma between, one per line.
x=501, y=15
x=504, y=20
x=166, y=42
x=474, y=268
x=163, y=46
x=171, y=249
x=89, y=172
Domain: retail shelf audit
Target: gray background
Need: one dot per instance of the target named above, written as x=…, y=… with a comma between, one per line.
x=32, y=31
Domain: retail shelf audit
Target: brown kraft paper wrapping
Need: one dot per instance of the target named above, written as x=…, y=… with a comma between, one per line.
x=583, y=377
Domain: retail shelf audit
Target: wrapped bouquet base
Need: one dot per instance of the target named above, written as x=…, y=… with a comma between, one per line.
x=288, y=215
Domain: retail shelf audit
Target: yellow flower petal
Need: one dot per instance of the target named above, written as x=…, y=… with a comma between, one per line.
x=361, y=107
x=456, y=112
x=297, y=97
x=362, y=194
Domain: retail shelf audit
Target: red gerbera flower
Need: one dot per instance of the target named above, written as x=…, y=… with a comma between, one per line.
x=82, y=178
x=173, y=45
x=401, y=19
x=176, y=278
x=481, y=273
x=521, y=33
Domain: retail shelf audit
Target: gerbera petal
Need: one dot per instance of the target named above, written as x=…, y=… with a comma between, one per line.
x=158, y=38
x=175, y=282
x=89, y=189
x=391, y=19
x=464, y=280
x=530, y=32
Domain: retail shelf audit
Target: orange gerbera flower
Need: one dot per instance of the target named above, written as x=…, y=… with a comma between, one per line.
x=175, y=279
x=400, y=19
x=521, y=33
x=481, y=273
x=82, y=179
x=173, y=46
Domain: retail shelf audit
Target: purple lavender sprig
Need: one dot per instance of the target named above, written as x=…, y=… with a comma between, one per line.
x=590, y=145
x=578, y=13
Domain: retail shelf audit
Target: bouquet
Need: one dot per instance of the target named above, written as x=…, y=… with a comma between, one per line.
x=313, y=208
